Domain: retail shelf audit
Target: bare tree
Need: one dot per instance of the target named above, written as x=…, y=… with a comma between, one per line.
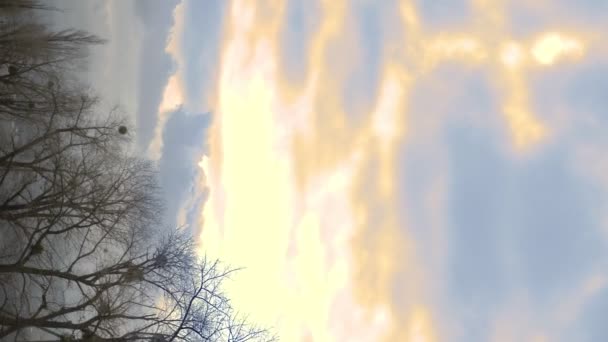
x=78, y=216
x=34, y=63
x=23, y=5
x=28, y=43
x=82, y=254
x=162, y=293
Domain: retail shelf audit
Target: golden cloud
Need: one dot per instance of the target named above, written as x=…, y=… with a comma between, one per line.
x=305, y=197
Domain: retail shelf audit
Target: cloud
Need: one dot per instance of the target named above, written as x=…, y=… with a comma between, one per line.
x=200, y=52
x=553, y=46
x=313, y=264
x=184, y=134
x=173, y=91
x=194, y=56
x=307, y=160
x=156, y=65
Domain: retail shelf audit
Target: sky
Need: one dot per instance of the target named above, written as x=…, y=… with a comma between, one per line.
x=382, y=170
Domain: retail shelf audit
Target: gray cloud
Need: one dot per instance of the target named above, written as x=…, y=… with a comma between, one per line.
x=184, y=138
x=200, y=48
x=156, y=65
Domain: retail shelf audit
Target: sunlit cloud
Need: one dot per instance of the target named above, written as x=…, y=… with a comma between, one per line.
x=172, y=99
x=306, y=262
x=489, y=45
x=173, y=94
x=526, y=130
x=551, y=47
x=455, y=47
x=307, y=198
x=419, y=327
x=512, y=55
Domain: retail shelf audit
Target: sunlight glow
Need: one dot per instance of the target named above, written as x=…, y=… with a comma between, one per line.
x=512, y=55
x=552, y=46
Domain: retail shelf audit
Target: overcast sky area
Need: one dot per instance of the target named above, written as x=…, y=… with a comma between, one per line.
x=383, y=170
